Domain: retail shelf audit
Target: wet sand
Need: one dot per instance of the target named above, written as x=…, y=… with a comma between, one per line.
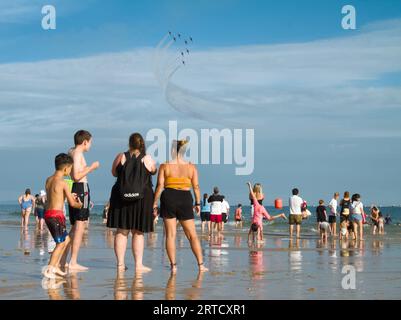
x=278, y=269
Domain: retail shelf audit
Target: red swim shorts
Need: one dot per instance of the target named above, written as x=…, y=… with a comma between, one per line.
x=216, y=218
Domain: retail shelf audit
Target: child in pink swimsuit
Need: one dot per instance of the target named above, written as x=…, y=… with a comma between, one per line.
x=257, y=219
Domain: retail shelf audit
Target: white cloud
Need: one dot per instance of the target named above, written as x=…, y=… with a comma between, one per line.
x=271, y=86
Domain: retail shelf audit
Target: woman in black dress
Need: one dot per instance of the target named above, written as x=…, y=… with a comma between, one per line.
x=132, y=216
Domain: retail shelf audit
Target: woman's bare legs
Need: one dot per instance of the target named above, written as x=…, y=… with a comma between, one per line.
x=170, y=226
x=190, y=232
x=138, y=243
x=355, y=230
x=22, y=218
x=360, y=223
x=120, y=246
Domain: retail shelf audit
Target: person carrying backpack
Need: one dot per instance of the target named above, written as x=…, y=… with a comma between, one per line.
x=131, y=201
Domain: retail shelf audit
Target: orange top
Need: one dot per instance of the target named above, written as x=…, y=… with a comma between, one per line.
x=177, y=183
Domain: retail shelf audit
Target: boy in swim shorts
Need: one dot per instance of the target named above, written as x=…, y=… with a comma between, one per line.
x=57, y=191
x=238, y=216
x=79, y=217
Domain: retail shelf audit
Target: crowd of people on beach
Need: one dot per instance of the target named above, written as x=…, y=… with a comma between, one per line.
x=134, y=207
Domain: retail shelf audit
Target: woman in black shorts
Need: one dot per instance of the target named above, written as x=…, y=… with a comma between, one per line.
x=177, y=177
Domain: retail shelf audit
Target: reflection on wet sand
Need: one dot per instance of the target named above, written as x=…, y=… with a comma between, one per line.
x=25, y=244
x=171, y=287
x=256, y=264
x=120, y=287
x=295, y=255
x=52, y=286
x=109, y=237
x=224, y=256
x=71, y=287
x=137, y=287
x=377, y=247
x=195, y=291
x=152, y=240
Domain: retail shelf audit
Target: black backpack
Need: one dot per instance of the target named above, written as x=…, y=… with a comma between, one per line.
x=132, y=178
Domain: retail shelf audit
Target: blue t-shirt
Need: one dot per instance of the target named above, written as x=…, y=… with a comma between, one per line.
x=205, y=206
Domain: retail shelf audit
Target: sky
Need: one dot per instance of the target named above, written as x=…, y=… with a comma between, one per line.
x=324, y=102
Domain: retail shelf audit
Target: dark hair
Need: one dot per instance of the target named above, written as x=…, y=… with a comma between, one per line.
x=36, y=195
x=137, y=142
x=81, y=136
x=295, y=192
x=62, y=160
x=239, y=205
x=355, y=197
x=216, y=190
x=254, y=227
x=205, y=196
x=321, y=202
x=179, y=146
x=346, y=194
x=27, y=191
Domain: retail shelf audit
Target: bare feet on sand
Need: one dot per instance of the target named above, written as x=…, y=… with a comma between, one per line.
x=202, y=268
x=52, y=272
x=142, y=269
x=77, y=267
x=122, y=268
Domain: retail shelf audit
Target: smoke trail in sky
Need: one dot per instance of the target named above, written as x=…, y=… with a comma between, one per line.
x=188, y=101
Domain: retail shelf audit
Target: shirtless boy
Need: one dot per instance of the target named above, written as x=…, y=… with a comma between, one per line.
x=79, y=217
x=57, y=191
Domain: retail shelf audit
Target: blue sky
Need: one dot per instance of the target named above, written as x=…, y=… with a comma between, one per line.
x=324, y=102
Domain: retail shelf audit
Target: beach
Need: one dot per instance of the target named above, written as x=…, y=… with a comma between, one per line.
x=277, y=269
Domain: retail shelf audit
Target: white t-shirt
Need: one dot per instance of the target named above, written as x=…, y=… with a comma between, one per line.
x=356, y=207
x=216, y=207
x=225, y=207
x=295, y=205
x=216, y=204
x=333, y=207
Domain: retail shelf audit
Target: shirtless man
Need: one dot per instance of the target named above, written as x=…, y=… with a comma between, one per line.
x=79, y=217
x=57, y=191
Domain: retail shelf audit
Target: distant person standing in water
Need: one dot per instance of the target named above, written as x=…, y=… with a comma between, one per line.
x=216, y=208
x=40, y=208
x=357, y=216
x=27, y=204
x=36, y=210
x=205, y=213
x=238, y=216
x=377, y=220
x=295, y=218
x=225, y=212
x=174, y=182
x=134, y=170
x=333, y=204
x=345, y=213
x=106, y=212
